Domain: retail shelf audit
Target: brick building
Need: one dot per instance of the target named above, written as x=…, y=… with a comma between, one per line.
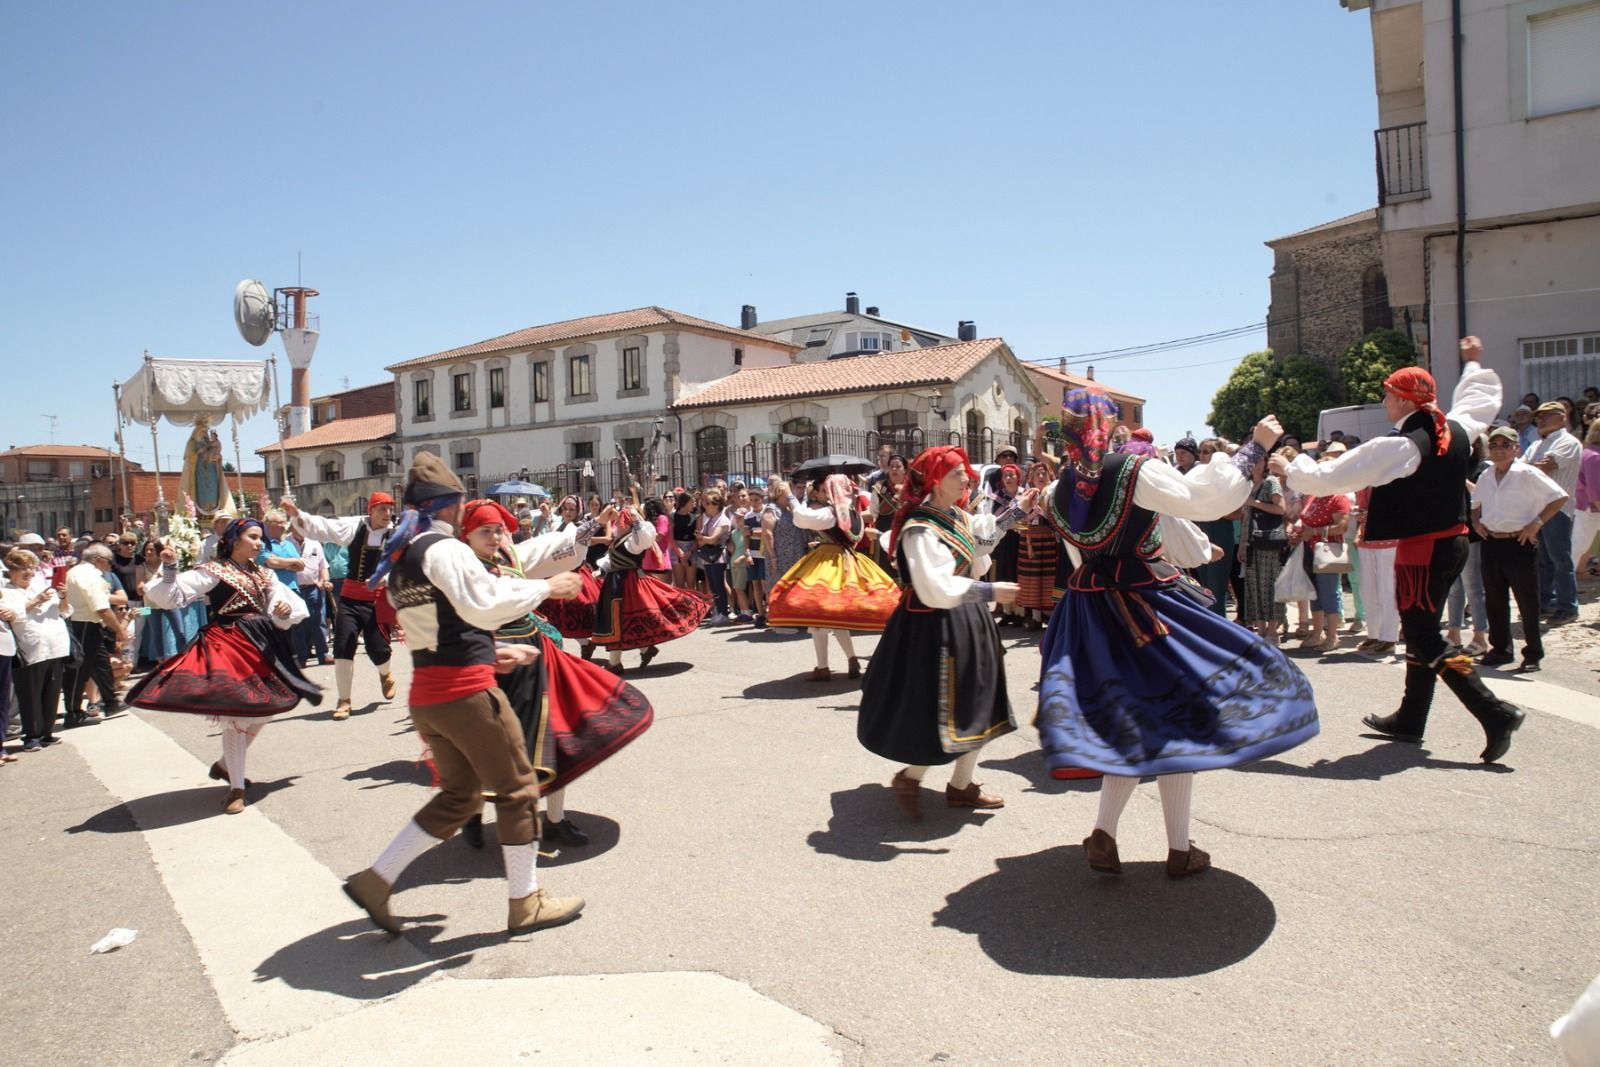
x=1328, y=288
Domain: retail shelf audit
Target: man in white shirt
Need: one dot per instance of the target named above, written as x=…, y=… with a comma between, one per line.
x=1511, y=504
x=93, y=627
x=312, y=583
x=219, y=525
x=1557, y=453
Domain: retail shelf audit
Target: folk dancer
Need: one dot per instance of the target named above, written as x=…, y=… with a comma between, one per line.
x=1139, y=675
x=1419, y=474
x=241, y=668
x=451, y=606
x=359, y=608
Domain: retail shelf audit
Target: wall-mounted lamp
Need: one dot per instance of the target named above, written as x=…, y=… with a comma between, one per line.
x=934, y=402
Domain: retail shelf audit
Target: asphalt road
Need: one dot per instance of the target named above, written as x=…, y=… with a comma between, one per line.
x=1371, y=902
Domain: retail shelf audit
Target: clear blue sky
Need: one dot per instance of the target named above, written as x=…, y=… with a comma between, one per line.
x=1073, y=178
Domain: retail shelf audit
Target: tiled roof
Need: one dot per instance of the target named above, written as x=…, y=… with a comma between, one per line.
x=939, y=365
x=1369, y=215
x=338, y=432
x=60, y=452
x=592, y=326
x=1078, y=381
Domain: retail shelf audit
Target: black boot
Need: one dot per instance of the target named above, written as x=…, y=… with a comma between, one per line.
x=472, y=832
x=1411, y=720
x=1498, y=718
x=563, y=833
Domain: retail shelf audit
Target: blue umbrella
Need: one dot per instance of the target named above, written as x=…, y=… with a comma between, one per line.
x=516, y=487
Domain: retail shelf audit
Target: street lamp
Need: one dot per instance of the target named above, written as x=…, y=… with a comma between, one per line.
x=934, y=404
x=388, y=457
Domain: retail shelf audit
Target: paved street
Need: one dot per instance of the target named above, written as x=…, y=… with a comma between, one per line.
x=755, y=898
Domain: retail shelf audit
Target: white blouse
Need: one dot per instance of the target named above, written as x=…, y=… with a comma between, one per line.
x=933, y=567
x=175, y=590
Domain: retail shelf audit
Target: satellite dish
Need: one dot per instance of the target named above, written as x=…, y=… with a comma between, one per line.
x=253, y=311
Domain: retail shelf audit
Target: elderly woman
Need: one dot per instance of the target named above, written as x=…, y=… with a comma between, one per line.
x=241, y=669
x=31, y=606
x=1038, y=557
x=1323, y=519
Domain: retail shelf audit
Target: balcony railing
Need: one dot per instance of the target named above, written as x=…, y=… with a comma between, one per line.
x=1402, y=162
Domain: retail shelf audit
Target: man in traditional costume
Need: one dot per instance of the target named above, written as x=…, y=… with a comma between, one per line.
x=359, y=603
x=1419, y=500
x=450, y=606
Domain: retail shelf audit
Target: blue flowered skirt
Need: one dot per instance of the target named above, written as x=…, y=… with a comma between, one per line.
x=1151, y=681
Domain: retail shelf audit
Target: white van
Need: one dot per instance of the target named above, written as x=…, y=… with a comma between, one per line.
x=1365, y=421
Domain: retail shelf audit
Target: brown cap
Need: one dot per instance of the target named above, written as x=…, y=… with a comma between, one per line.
x=1552, y=405
x=1504, y=431
x=430, y=479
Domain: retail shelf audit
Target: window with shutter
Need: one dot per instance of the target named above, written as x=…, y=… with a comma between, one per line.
x=1564, y=61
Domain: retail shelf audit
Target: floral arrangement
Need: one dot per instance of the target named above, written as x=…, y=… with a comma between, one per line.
x=183, y=534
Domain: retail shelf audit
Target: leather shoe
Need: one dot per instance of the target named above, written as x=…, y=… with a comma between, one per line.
x=586, y=649
x=220, y=773
x=563, y=833
x=1499, y=737
x=472, y=832
x=371, y=894
x=971, y=797
x=233, y=804
x=1183, y=864
x=1528, y=666
x=540, y=909
x=820, y=674
x=1495, y=659
x=389, y=687
x=1389, y=726
x=647, y=655
x=1101, y=848
x=855, y=668
x=907, y=795
x=341, y=710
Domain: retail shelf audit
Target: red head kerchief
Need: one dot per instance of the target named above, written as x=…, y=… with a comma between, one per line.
x=484, y=513
x=927, y=471
x=1417, y=385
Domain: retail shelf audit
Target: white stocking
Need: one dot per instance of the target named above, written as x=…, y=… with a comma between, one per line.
x=411, y=842
x=344, y=673
x=522, y=876
x=1115, y=790
x=555, y=805
x=236, y=737
x=961, y=776
x=383, y=668
x=614, y=655
x=1177, y=791
x=843, y=637
x=819, y=642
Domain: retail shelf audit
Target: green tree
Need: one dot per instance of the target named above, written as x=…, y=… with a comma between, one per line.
x=1241, y=402
x=1297, y=391
x=1367, y=362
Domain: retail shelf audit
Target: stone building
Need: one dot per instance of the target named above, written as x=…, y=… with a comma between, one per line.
x=1328, y=288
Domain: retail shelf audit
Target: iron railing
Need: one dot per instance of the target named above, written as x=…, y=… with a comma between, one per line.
x=1402, y=162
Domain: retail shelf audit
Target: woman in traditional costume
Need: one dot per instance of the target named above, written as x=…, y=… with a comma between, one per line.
x=240, y=669
x=636, y=610
x=833, y=589
x=1038, y=558
x=1000, y=489
x=575, y=618
x=935, y=691
x=574, y=714
x=1140, y=676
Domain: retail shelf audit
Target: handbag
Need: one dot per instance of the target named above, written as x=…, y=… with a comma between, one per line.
x=1331, y=557
x=705, y=554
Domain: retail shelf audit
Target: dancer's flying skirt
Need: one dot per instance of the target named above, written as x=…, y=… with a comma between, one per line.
x=575, y=617
x=241, y=667
x=636, y=611
x=832, y=587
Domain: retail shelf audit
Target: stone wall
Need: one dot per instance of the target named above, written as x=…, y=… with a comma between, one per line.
x=1328, y=290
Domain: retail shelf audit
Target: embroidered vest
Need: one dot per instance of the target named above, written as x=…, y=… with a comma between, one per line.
x=238, y=592
x=458, y=643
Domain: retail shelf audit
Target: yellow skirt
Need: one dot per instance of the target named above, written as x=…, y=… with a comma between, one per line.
x=833, y=587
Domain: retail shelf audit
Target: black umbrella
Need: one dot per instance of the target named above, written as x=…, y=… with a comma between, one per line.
x=833, y=463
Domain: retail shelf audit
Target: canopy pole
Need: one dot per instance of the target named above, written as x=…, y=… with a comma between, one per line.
x=122, y=448
x=155, y=442
x=238, y=469
x=278, y=414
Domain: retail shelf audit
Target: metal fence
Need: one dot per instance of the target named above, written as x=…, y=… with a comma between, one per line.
x=1402, y=162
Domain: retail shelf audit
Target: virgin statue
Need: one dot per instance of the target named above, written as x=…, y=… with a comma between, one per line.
x=202, y=479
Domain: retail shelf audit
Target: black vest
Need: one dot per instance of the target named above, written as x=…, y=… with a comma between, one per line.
x=1433, y=497
x=363, y=557
x=458, y=643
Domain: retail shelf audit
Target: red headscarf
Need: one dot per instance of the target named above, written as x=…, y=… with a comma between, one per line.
x=1143, y=433
x=484, y=513
x=927, y=471
x=1416, y=385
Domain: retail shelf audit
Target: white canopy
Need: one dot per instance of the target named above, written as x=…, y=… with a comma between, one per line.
x=183, y=389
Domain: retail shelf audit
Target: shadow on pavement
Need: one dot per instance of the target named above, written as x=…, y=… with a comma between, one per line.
x=180, y=806
x=1047, y=913
x=801, y=687
x=395, y=772
x=657, y=669
x=867, y=826
x=770, y=637
x=1377, y=762
x=356, y=960
x=1030, y=765
x=324, y=711
x=455, y=861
